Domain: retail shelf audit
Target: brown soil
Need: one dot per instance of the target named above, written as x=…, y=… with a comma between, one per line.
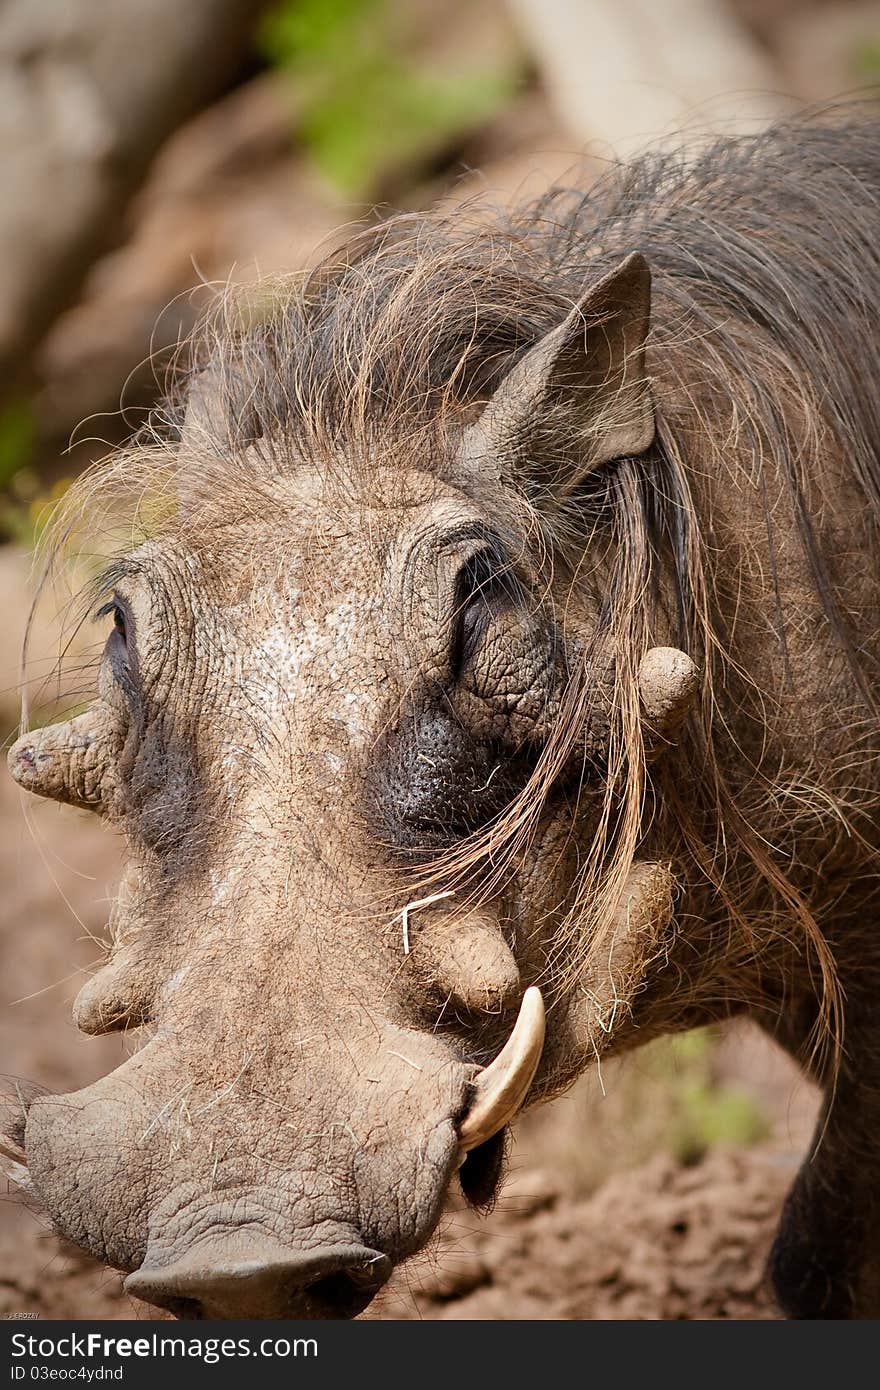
x=662, y=1241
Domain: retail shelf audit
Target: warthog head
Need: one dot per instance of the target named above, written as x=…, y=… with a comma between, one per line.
x=357, y=722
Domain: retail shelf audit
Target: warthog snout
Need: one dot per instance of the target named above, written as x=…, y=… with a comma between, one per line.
x=240, y=1275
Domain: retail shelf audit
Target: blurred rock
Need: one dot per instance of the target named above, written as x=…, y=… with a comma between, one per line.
x=624, y=76
x=227, y=197
x=87, y=95
x=232, y=197
x=832, y=50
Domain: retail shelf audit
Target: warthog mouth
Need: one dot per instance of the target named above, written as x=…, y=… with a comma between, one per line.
x=273, y=1252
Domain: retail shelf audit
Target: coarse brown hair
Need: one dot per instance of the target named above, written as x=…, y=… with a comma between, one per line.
x=766, y=273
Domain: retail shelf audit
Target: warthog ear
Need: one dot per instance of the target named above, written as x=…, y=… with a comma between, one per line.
x=218, y=424
x=203, y=420
x=580, y=397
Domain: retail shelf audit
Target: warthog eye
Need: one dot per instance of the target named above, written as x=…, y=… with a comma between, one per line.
x=484, y=581
x=118, y=641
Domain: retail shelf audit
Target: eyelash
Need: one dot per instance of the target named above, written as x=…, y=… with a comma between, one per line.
x=479, y=582
x=119, y=623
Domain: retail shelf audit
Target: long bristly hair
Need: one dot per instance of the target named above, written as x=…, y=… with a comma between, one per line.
x=766, y=272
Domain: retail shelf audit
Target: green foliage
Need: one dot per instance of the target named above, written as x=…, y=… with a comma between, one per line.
x=19, y=485
x=366, y=108
x=866, y=61
x=25, y=505
x=669, y=1097
x=16, y=439
x=702, y=1111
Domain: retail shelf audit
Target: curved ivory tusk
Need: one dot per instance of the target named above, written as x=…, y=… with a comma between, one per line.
x=500, y=1088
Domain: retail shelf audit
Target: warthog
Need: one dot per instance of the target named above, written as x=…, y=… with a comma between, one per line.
x=491, y=685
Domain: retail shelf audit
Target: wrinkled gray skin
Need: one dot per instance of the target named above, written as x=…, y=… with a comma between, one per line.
x=279, y=721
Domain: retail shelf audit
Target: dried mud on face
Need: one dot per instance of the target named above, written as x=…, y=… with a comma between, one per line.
x=591, y=1223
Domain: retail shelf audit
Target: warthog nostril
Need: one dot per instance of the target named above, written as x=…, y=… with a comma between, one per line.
x=342, y=1295
x=211, y=1282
